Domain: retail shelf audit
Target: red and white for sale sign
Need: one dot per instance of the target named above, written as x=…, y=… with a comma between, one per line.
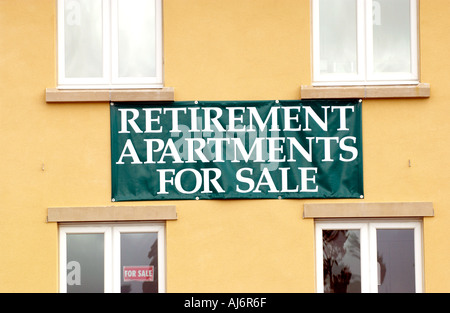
x=138, y=273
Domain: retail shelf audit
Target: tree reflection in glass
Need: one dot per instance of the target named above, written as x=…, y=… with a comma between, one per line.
x=341, y=261
x=139, y=249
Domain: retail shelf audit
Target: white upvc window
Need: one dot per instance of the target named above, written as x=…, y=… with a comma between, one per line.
x=118, y=258
x=110, y=44
x=365, y=42
x=369, y=256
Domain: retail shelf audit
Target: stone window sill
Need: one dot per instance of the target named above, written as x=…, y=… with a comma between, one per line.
x=368, y=210
x=54, y=95
x=421, y=90
x=112, y=214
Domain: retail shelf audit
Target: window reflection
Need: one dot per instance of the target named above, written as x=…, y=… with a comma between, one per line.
x=341, y=261
x=85, y=263
x=396, y=268
x=139, y=253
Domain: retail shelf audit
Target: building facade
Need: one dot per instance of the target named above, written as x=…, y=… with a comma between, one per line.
x=79, y=76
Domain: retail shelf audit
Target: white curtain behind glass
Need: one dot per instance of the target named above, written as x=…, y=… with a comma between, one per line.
x=83, y=37
x=136, y=38
x=338, y=36
x=391, y=36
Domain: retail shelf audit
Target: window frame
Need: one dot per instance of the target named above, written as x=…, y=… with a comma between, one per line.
x=368, y=248
x=110, y=78
x=112, y=261
x=365, y=75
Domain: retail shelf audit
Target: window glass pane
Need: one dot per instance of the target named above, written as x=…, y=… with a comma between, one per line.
x=85, y=263
x=139, y=262
x=83, y=38
x=395, y=254
x=341, y=261
x=338, y=49
x=391, y=36
x=137, y=41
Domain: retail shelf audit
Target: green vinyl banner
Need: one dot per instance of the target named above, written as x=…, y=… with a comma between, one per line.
x=236, y=149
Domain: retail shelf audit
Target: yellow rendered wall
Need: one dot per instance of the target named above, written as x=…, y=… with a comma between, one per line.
x=431, y=146
x=28, y=254
x=59, y=154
